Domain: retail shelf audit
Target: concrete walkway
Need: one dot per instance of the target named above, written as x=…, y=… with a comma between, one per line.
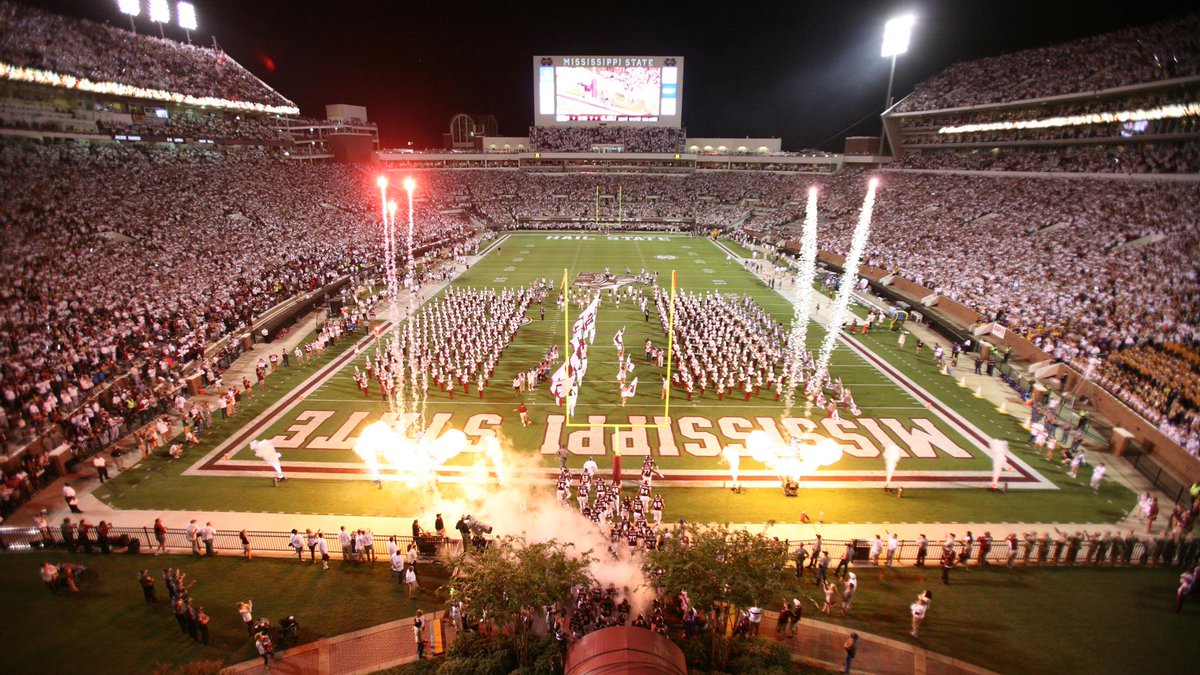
x=364, y=651
x=816, y=643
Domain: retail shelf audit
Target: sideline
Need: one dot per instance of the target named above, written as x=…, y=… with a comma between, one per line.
x=1029, y=478
x=1026, y=476
x=213, y=463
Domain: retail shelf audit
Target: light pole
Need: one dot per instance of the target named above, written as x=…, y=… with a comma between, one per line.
x=160, y=13
x=130, y=8
x=185, y=13
x=896, y=34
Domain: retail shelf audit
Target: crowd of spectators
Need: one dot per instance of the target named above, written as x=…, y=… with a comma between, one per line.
x=1067, y=263
x=1062, y=261
x=36, y=39
x=1162, y=382
x=1090, y=108
x=584, y=139
x=192, y=126
x=129, y=277
x=1156, y=52
x=504, y=198
x=1090, y=295
x=1126, y=157
x=177, y=248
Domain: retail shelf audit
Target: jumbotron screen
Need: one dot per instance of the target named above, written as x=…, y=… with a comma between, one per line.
x=584, y=90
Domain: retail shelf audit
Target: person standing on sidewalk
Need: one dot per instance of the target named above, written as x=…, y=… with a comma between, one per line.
x=843, y=565
x=801, y=556
x=101, y=467
x=344, y=540
x=851, y=647
x=70, y=497
x=193, y=535
x=160, y=535
x=419, y=633
x=368, y=545
x=245, y=539
x=985, y=547
x=69, y=535
x=323, y=549
x=207, y=534
x=312, y=546
x=922, y=550
x=102, y=539
x=297, y=544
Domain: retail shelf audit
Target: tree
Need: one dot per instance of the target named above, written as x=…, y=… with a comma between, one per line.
x=722, y=570
x=512, y=578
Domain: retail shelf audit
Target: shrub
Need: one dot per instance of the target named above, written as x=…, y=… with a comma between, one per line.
x=758, y=655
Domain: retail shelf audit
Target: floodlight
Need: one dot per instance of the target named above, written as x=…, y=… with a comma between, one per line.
x=381, y=182
x=410, y=185
x=160, y=11
x=896, y=34
x=130, y=7
x=185, y=13
x=874, y=183
x=812, y=191
x=392, y=208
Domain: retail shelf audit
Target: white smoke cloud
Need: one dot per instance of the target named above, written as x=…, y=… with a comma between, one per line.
x=891, y=457
x=265, y=450
x=841, y=304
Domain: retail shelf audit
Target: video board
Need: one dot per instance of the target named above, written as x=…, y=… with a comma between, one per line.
x=589, y=90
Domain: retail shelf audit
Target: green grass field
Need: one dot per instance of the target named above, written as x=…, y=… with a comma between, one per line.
x=1012, y=621
x=110, y=627
x=701, y=266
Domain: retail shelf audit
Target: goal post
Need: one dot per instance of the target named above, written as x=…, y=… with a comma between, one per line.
x=666, y=412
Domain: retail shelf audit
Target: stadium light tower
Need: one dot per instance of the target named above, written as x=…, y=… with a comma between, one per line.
x=160, y=13
x=130, y=8
x=896, y=34
x=185, y=14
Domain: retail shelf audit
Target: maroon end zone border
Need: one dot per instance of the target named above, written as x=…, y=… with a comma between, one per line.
x=318, y=379
x=315, y=381
x=902, y=380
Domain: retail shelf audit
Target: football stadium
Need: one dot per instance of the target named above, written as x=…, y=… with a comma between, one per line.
x=604, y=394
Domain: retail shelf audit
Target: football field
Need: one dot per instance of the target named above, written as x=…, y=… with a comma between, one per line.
x=315, y=418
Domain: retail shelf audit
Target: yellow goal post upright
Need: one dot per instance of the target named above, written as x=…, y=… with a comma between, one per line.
x=666, y=414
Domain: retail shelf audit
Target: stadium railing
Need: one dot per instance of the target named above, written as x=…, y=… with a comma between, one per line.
x=29, y=538
x=1159, y=477
x=1157, y=551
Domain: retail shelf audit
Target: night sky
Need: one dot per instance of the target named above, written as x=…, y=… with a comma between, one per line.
x=809, y=72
